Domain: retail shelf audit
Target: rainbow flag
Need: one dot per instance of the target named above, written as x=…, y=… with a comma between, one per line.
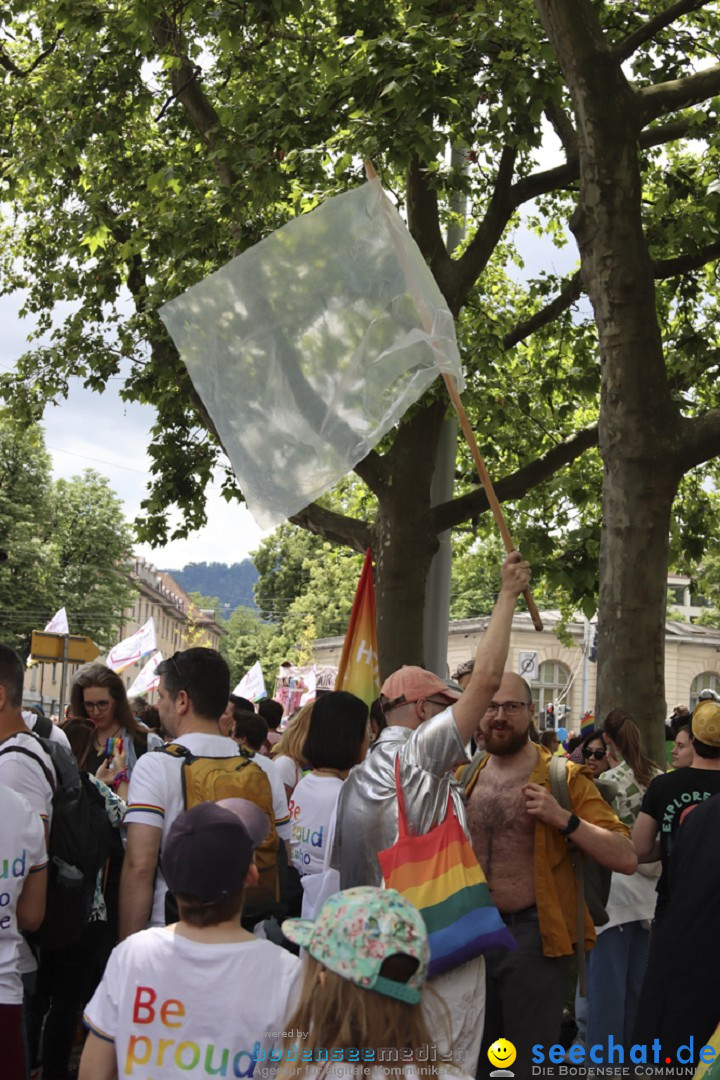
x=587, y=724
x=358, y=669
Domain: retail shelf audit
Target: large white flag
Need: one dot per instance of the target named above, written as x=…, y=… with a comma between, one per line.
x=310, y=346
x=252, y=684
x=148, y=679
x=133, y=648
x=59, y=623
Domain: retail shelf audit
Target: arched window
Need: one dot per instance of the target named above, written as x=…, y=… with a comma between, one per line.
x=709, y=680
x=550, y=686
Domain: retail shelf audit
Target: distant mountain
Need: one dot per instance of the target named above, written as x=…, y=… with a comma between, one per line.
x=233, y=585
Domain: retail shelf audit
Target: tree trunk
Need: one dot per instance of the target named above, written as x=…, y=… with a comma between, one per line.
x=639, y=427
x=405, y=541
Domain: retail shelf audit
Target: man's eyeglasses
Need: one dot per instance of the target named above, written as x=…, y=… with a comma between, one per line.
x=174, y=663
x=510, y=708
x=597, y=754
x=91, y=706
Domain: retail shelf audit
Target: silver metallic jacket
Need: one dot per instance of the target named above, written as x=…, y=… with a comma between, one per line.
x=367, y=819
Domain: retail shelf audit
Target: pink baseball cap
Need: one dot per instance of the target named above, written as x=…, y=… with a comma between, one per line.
x=413, y=683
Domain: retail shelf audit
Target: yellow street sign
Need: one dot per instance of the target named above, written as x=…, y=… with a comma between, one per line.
x=51, y=647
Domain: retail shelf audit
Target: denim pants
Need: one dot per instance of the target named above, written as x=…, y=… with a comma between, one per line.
x=615, y=970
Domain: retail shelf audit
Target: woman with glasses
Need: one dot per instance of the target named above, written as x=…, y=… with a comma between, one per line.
x=594, y=753
x=98, y=695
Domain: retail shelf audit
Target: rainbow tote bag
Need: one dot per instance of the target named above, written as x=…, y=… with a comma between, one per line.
x=439, y=873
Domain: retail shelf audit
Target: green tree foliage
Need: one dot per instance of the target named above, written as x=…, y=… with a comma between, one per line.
x=25, y=500
x=67, y=545
x=145, y=144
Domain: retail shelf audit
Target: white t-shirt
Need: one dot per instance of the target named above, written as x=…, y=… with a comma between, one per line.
x=280, y=803
x=175, y=1007
x=155, y=795
x=22, y=852
x=25, y=775
x=311, y=809
x=287, y=769
x=56, y=734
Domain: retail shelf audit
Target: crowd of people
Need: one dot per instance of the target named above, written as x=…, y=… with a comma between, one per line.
x=234, y=919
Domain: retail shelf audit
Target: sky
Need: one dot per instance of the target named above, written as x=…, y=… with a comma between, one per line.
x=100, y=431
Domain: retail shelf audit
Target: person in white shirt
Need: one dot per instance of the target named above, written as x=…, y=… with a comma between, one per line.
x=24, y=764
x=22, y=899
x=193, y=693
x=338, y=739
x=204, y=995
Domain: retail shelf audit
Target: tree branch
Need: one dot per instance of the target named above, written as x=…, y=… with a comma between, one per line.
x=652, y=27
x=570, y=292
x=187, y=90
x=424, y=224
x=517, y=484
x=22, y=73
x=695, y=124
x=667, y=268
x=475, y=257
x=564, y=129
x=373, y=470
x=699, y=439
x=334, y=527
x=679, y=93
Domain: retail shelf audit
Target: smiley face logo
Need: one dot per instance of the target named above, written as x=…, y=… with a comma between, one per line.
x=502, y=1054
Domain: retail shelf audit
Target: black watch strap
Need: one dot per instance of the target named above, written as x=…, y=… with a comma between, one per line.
x=571, y=825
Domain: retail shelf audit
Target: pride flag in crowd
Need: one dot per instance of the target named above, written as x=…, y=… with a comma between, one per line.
x=133, y=648
x=358, y=670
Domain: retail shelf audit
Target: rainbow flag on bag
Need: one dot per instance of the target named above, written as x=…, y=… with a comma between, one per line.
x=439, y=873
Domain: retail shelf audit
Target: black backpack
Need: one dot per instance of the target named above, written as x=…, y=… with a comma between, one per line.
x=80, y=839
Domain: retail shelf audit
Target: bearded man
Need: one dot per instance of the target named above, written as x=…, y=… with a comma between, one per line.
x=520, y=835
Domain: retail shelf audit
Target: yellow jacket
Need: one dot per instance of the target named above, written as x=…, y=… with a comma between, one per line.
x=554, y=877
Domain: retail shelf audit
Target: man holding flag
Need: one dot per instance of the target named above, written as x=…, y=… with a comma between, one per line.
x=428, y=728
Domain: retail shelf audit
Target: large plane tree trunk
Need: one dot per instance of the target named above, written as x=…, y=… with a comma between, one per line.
x=639, y=427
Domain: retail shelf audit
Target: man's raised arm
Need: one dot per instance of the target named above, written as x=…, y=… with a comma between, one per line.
x=493, y=648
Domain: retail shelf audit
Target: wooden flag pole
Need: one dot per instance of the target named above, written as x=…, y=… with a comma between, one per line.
x=476, y=455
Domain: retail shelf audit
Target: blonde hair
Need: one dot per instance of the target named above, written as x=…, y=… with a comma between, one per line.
x=292, y=742
x=336, y=1013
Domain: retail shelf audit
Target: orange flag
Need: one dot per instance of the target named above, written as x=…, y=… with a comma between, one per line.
x=358, y=670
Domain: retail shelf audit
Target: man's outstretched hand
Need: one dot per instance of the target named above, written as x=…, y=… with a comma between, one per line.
x=515, y=573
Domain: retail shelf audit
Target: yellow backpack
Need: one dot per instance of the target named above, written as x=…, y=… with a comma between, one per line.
x=209, y=779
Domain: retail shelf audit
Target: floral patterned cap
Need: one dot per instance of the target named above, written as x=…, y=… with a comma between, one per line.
x=356, y=930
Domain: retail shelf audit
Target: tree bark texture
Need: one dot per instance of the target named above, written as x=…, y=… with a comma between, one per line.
x=405, y=541
x=639, y=427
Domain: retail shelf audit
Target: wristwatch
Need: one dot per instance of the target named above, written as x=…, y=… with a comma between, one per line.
x=571, y=826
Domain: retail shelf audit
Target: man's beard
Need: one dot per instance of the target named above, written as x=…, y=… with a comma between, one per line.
x=510, y=743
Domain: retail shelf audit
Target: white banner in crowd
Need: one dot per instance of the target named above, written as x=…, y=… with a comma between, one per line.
x=252, y=684
x=59, y=623
x=148, y=679
x=295, y=686
x=133, y=648
x=327, y=331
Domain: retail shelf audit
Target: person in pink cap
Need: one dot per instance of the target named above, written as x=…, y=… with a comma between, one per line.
x=429, y=724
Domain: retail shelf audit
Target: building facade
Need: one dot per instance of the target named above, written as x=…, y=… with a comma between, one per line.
x=179, y=624
x=562, y=673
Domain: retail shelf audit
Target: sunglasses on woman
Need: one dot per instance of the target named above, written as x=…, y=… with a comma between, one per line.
x=597, y=754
